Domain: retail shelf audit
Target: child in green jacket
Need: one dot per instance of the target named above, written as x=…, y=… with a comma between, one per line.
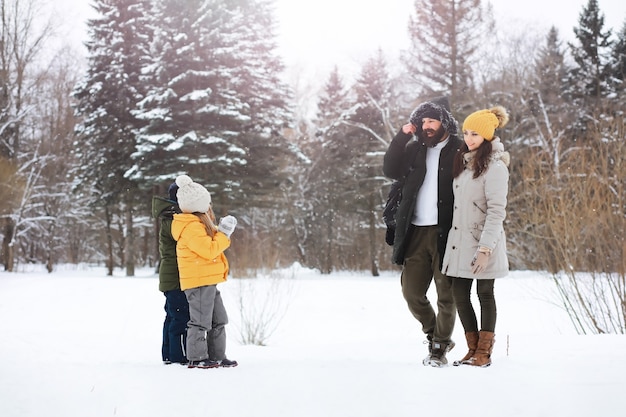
x=176, y=305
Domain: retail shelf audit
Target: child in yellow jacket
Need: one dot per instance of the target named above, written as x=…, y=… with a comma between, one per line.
x=200, y=246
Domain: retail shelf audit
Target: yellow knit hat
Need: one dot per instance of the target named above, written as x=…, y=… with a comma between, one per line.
x=485, y=122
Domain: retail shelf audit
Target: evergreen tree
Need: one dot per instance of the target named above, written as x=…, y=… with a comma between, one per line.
x=548, y=116
x=189, y=111
x=444, y=38
x=550, y=70
x=109, y=92
x=105, y=99
x=332, y=103
x=589, y=78
x=324, y=185
x=216, y=108
x=368, y=143
x=618, y=64
x=256, y=79
x=355, y=133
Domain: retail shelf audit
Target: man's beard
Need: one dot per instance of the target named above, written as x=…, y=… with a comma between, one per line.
x=433, y=137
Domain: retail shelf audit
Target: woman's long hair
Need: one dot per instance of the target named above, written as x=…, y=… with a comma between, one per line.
x=208, y=219
x=478, y=163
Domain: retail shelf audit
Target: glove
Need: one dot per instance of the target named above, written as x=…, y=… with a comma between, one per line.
x=479, y=262
x=227, y=225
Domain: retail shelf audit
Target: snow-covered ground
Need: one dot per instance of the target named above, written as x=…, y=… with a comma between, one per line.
x=76, y=343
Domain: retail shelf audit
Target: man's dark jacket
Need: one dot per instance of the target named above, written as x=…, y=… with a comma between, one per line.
x=408, y=157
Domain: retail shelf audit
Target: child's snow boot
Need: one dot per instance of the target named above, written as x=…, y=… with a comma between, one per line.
x=204, y=364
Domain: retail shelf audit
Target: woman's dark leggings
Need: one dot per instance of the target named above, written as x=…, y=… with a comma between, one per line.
x=461, y=289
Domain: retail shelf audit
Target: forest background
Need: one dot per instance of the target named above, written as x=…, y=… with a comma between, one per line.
x=198, y=87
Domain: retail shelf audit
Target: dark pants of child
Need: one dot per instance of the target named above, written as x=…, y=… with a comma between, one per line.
x=175, y=327
x=206, y=335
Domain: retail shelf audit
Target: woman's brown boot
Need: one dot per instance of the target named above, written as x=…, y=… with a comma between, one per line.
x=472, y=344
x=482, y=357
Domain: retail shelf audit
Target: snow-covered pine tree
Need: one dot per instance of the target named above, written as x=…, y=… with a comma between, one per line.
x=547, y=117
x=445, y=37
x=332, y=103
x=550, y=69
x=323, y=188
x=361, y=148
x=354, y=132
x=190, y=113
x=216, y=106
x=105, y=98
x=309, y=191
x=618, y=67
x=256, y=77
x=259, y=190
x=369, y=141
x=588, y=79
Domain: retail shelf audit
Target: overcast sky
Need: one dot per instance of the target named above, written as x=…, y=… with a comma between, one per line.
x=353, y=29
x=313, y=35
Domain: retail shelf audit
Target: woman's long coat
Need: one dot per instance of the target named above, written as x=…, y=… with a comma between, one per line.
x=478, y=217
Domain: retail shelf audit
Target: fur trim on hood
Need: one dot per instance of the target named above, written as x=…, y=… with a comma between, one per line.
x=497, y=153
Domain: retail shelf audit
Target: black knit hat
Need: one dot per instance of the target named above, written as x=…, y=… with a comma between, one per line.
x=172, y=191
x=438, y=109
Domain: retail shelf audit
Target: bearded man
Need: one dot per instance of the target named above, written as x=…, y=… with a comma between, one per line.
x=424, y=218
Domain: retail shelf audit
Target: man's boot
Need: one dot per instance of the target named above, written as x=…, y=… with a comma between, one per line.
x=438, y=354
x=472, y=344
x=482, y=357
x=429, y=342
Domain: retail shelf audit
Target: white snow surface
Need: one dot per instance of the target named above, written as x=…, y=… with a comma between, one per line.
x=79, y=343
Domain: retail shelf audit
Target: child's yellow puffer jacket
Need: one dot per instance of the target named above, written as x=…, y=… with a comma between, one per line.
x=201, y=259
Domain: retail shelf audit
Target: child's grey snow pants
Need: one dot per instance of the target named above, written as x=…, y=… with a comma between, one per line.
x=206, y=336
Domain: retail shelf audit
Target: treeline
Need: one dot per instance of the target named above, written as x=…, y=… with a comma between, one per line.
x=195, y=87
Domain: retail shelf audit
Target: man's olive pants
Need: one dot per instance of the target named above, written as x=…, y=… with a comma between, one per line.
x=421, y=265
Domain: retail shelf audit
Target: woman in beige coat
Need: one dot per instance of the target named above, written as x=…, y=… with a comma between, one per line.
x=476, y=247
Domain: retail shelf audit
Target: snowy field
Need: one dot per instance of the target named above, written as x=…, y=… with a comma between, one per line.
x=76, y=343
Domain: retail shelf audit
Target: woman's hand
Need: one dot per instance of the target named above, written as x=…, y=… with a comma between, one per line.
x=479, y=262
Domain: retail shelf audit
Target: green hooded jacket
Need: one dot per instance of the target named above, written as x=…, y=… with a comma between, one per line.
x=163, y=210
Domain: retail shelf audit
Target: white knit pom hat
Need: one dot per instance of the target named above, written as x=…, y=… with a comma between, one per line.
x=192, y=197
